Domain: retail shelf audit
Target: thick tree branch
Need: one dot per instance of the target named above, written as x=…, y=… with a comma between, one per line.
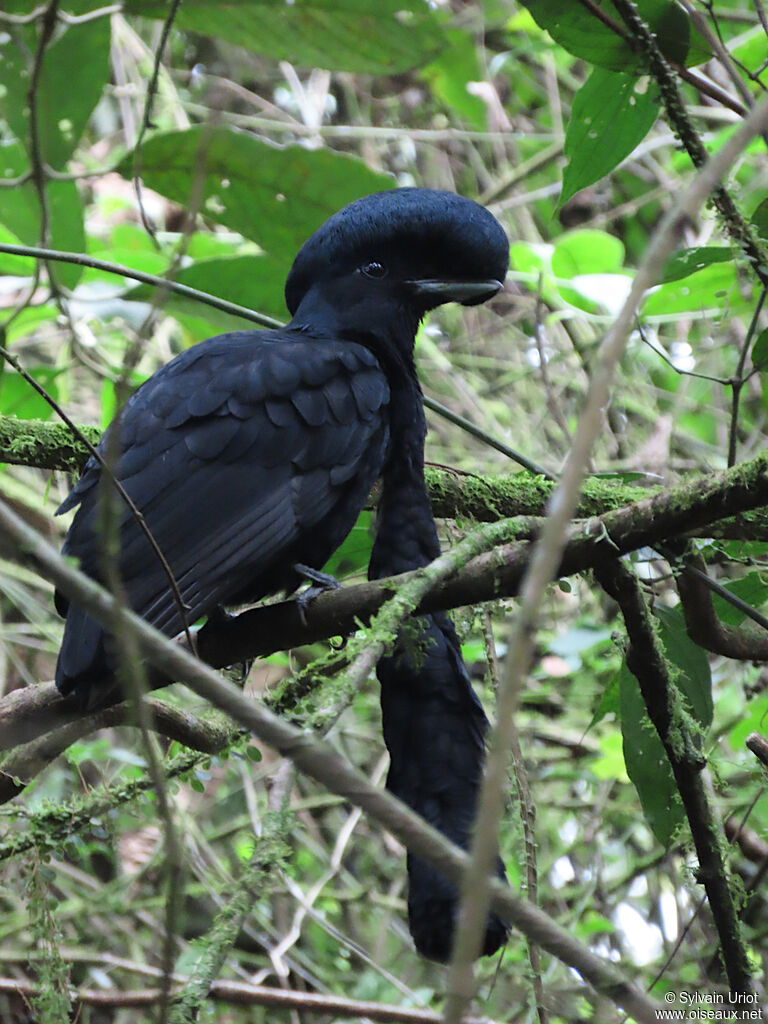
x=744, y=643
x=26, y=714
x=45, y=445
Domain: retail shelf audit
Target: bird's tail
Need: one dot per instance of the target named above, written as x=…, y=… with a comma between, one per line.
x=434, y=728
x=85, y=667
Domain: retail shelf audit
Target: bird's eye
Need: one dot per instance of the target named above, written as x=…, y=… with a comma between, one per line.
x=374, y=269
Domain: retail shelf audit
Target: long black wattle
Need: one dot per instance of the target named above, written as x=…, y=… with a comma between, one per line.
x=434, y=725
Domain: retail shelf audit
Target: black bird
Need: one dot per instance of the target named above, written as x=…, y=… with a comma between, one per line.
x=434, y=725
x=252, y=453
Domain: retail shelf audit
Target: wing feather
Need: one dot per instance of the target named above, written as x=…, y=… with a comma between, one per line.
x=243, y=452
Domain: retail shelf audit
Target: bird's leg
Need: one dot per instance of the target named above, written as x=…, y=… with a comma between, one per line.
x=217, y=617
x=322, y=581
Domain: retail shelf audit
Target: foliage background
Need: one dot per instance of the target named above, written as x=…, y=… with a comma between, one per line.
x=248, y=126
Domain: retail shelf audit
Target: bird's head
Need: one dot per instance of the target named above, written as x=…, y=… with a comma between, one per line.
x=398, y=254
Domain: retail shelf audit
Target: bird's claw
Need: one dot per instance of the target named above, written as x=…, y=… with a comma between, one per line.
x=322, y=581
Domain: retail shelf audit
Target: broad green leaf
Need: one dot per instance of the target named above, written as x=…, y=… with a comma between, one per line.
x=255, y=282
x=18, y=398
x=647, y=763
x=587, y=251
x=275, y=195
x=751, y=588
x=760, y=350
x=694, y=679
x=20, y=213
x=68, y=89
x=355, y=553
x=596, y=293
x=611, y=114
x=752, y=51
x=609, y=702
x=450, y=74
x=30, y=319
x=606, y=45
x=149, y=261
x=688, y=261
x=709, y=289
x=17, y=266
x=593, y=923
x=759, y=219
x=609, y=763
x=528, y=259
x=387, y=37
x=755, y=720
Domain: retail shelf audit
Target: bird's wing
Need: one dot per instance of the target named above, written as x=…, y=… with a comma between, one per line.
x=249, y=450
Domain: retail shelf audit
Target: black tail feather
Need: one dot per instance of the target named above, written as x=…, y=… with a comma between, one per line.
x=434, y=728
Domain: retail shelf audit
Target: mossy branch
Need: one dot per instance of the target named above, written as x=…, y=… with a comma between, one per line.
x=646, y=661
x=26, y=714
x=43, y=445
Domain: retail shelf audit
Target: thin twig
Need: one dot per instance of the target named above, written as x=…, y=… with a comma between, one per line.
x=737, y=383
x=146, y=120
x=82, y=260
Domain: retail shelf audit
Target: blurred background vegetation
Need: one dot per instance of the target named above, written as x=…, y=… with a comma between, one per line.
x=247, y=124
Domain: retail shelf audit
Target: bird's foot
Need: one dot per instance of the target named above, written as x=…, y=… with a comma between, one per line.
x=216, y=618
x=219, y=615
x=322, y=581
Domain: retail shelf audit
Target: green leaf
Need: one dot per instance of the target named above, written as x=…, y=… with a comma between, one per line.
x=30, y=319
x=18, y=398
x=355, y=553
x=274, y=195
x=688, y=261
x=20, y=213
x=67, y=92
x=760, y=350
x=751, y=588
x=755, y=719
x=450, y=74
x=590, y=38
x=587, y=251
x=694, y=678
x=609, y=702
x=647, y=763
x=526, y=258
x=711, y=289
x=17, y=266
x=255, y=282
x=611, y=114
x=346, y=35
x=759, y=219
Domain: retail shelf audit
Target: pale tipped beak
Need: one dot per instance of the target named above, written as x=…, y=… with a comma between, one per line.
x=468, y=293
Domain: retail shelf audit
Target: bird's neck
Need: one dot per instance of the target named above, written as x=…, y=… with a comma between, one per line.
x=406, y=536
x=387, y=329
